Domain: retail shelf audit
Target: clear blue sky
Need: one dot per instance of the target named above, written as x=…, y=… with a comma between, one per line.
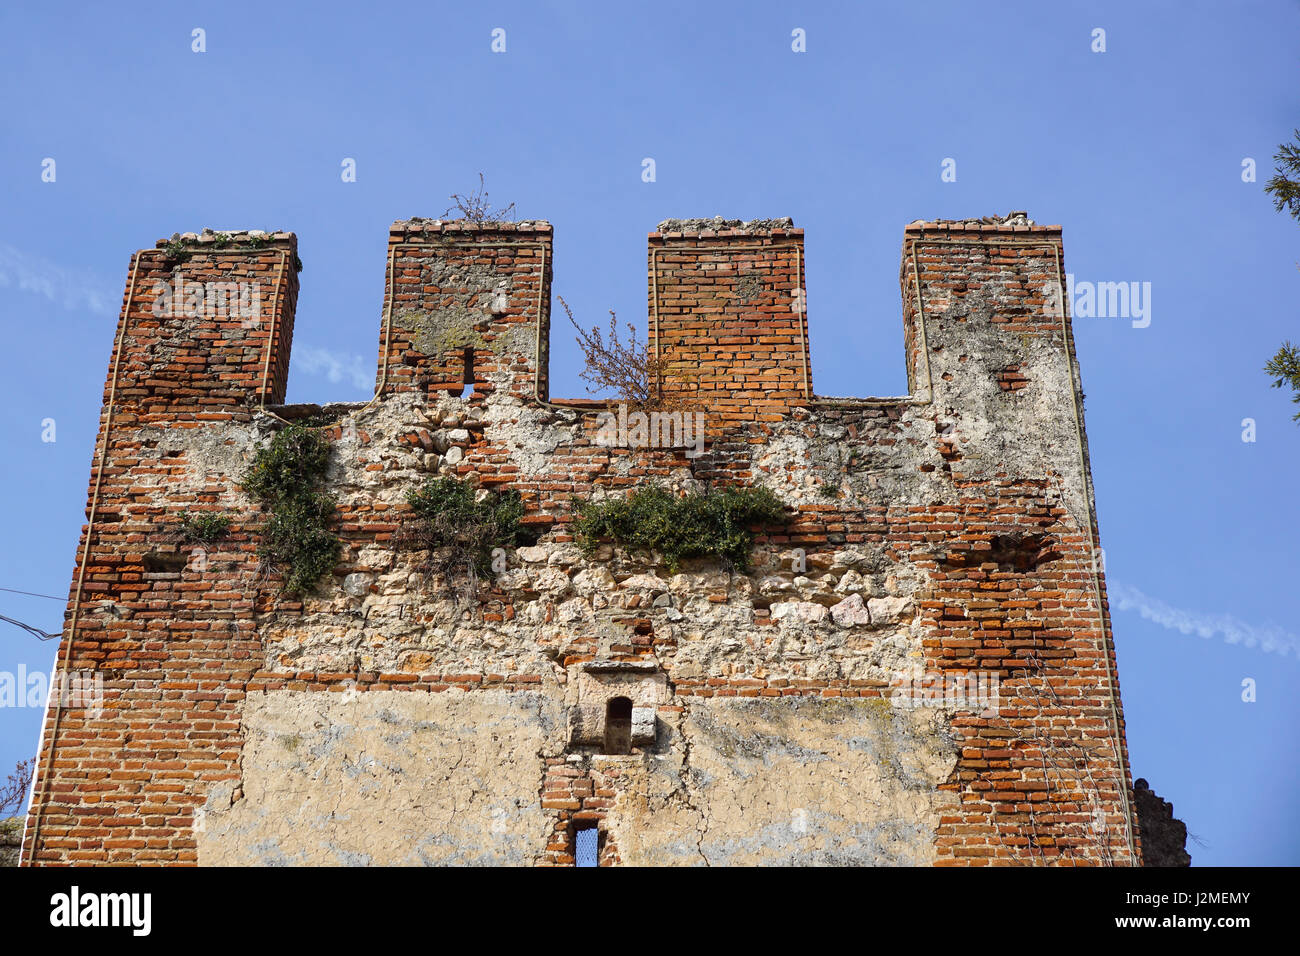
x=1136, y=151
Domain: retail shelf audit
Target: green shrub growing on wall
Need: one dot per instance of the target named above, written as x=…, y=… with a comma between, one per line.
x=203, y=526
x=286, y=478
x=704, y=524
x=460, y=527
x=177, y=251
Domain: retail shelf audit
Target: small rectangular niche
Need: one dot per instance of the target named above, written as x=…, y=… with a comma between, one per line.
x=618, y=726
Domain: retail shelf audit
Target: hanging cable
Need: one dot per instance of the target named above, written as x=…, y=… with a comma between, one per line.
x=31, y=594
x=34, y=631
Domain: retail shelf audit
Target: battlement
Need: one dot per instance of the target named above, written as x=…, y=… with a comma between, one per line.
x=727, y=305
x=784, y=713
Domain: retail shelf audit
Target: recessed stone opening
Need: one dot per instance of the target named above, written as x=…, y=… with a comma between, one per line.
x=618, y=726
x=156, y=562
x=468, y=376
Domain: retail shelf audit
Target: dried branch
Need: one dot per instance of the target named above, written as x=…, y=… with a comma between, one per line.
x=14, y=793
x=476, y=208
x=630, y=369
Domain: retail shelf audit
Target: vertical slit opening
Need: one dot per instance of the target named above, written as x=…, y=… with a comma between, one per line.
x=586, y=845
x=467, y=376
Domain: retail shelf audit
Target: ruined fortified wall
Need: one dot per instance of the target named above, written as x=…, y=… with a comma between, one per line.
x=949, y=532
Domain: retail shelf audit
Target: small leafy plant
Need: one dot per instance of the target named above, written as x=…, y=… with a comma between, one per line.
x=459, y=527
x=286, y=478
x=203, y=526
x=711, y=523
x=177, y=251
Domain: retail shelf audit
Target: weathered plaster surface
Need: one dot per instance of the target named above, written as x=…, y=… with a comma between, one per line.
x=386, y=777
x=801, y=781
x=398, y=778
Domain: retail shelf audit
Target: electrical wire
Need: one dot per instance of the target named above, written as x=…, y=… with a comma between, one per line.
x=34, y=631
x=31, y=594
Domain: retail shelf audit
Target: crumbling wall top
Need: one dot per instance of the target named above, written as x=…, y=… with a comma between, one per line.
x=717, y=226
x=1016, y=221
x=418, y=224
x=220, y=238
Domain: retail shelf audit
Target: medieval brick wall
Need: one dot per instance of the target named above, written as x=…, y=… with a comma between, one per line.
x=786, y=715
x=727, y=317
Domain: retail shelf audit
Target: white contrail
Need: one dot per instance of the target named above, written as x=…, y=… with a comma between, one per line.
x=72, y=290
x=335, y=367
x=1233, y=631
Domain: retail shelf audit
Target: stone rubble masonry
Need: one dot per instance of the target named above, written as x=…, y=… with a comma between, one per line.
x=387, y=719
x=11, y=835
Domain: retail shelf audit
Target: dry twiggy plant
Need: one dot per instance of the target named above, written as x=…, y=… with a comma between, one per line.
x=476, y=208
x=628, y=369
x=14, y=793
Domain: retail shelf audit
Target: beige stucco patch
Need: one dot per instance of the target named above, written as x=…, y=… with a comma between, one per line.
x=386, y=777
x=787, y=782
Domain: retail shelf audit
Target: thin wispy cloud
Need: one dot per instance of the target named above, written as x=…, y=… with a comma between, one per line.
x=73, y=290
x=1231, y=630
x=335, y=367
